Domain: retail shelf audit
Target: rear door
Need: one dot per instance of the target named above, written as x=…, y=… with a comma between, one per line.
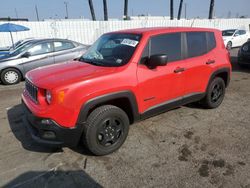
x=200, y=60
x=64, y=51
x=162, y=84
x=40, y=55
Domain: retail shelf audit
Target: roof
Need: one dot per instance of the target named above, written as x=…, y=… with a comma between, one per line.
x=159, y=30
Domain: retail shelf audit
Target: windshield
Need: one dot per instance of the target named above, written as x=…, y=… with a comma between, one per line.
x=228, y=33
x=112, y=49
x=21, y=49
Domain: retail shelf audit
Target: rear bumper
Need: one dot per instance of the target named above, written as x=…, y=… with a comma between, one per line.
x=47, y=132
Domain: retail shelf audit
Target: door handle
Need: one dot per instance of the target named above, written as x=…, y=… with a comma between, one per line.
x=209, y=62
x=177, y=70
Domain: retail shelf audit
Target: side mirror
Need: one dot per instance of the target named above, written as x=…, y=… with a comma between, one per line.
x=26, y=54
x=236, y=35
x=157, y=60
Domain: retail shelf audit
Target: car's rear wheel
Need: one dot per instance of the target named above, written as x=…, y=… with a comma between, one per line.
x=215, y=93
x=229, y=45
x=106, y=130
x=10, y=76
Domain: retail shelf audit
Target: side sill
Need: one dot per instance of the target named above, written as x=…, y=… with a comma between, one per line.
x=166, y=106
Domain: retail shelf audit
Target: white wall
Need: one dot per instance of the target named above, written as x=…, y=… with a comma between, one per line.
x=88, y=31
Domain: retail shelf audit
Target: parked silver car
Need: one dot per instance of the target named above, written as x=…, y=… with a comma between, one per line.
x=36, y=54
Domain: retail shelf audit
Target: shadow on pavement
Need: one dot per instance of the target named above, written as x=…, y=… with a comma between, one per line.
x=54, y=178
x=21, y=133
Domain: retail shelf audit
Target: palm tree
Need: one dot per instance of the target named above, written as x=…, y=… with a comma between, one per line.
x=105, y=10
x=125, y=9
x=171, y=9
x=180, y=9
x=211, y=9
x=91, y=7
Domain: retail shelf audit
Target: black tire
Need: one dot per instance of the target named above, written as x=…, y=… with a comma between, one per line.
x=229, y=45
x=106, y=130
x=215, y=93
x=10, y=76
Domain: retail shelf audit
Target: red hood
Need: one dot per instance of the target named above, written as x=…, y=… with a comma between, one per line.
x=66, y=73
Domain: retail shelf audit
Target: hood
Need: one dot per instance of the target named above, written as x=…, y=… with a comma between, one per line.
x=66, y=73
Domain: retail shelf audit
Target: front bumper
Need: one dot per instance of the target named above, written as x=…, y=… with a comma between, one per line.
x=47, y=132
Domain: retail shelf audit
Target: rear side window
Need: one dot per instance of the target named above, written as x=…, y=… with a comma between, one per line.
x=211, y=42
x=169, y=44
x=196, y=44
x=63, y=45
x=242, y=32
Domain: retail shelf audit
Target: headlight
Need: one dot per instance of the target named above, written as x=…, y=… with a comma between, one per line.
x=48, y=96
x=245, y=48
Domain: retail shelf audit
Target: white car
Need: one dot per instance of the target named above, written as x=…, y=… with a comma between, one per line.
x=234, y=37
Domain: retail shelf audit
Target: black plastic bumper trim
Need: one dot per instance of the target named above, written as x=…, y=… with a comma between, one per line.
x=69, y=137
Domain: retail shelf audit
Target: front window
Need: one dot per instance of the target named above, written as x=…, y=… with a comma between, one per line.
x=112, y=49
x=228, y=33
x=42, y=48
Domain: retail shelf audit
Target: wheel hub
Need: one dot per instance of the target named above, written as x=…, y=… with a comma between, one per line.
x=11, y=76
x=216, y=93
x=110, y=132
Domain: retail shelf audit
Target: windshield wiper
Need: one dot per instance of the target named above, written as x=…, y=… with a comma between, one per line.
x=90, y=61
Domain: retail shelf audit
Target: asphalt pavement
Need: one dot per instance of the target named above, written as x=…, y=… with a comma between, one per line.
x=185, y=147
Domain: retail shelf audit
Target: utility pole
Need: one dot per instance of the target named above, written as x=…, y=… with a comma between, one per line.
x=171, y=9
x=105, y=10
x=66, y=8
x=16, y=13
x=92, y=10
x=211, y=9
x=126, y=10
x=37, y=16
x=185, y=8
x=180, y=10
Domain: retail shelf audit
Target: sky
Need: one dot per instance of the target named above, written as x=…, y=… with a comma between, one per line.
x=79, y=8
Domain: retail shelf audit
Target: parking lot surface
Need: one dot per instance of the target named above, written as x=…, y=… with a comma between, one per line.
x=185, y=147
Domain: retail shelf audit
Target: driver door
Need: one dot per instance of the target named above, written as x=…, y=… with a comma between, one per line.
x=163, y=84
x=236, y=39
x=39, y=55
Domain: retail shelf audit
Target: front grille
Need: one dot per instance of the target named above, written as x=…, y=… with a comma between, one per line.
x=31, y=90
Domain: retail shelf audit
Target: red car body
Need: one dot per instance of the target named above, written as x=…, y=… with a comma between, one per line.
x=138, y=90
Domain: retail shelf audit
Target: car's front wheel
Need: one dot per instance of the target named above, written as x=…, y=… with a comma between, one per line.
x=215, y=93
x=106, y=130
x=10, y=76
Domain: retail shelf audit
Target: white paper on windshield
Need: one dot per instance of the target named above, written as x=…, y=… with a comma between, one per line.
x=129, y=42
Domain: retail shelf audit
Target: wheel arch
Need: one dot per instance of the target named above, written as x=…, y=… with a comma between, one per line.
x=11, y=67
x=223, y=73
x=124, y=99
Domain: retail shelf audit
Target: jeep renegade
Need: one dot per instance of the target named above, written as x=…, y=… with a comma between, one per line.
x=124, y=77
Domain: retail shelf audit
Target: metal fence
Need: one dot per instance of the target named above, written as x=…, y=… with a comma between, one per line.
x=88, y=31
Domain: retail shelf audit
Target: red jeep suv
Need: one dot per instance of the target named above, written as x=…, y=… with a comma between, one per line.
x=124, y=77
